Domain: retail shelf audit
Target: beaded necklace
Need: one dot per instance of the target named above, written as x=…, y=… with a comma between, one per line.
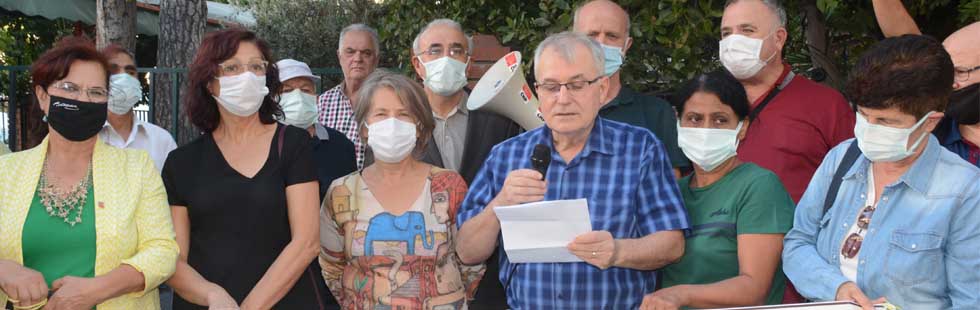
x=61, y=204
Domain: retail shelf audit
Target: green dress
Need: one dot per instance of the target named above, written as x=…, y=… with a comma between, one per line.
x=748, y=200
x=56, y=249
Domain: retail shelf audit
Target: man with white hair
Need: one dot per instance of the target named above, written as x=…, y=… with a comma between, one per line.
x=609, y=24
x=358, y=52
x=959, y=131
x=462, y=138
x=623, y=171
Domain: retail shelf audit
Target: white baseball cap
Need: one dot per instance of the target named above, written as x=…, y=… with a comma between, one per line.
x=291, y=68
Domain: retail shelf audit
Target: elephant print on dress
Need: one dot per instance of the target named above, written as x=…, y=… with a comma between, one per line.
x=388, y=227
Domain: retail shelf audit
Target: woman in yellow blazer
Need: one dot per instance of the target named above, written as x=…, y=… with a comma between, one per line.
x=82, y=225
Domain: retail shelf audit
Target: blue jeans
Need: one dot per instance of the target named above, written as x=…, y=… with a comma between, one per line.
x=166, y=297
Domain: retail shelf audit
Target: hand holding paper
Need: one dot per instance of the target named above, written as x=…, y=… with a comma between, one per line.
x=596, y=247
x=540, y=232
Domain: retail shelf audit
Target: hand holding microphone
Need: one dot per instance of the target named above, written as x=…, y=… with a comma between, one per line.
x=526, y=185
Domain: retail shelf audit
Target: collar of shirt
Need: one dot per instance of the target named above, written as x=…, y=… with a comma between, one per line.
x=321, y=132
x=782, y=76
x=598, y=141
x=953, y=133
x=137, y=127
x=626, y=96
x=460, y=108
x=918, y=176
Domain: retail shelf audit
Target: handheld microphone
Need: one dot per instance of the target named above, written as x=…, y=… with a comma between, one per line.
x=540, y=159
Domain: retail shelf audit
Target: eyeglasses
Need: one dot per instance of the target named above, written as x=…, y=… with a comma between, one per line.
x=852, y=245
x=963, y=74
x=97, y=94
x=234, y=68
x=551, y=89
x=454, y=51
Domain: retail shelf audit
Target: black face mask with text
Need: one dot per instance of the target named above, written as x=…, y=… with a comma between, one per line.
x=76, y=120
x=964, y=105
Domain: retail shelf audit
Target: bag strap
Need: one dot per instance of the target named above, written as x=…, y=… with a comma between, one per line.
x=772, y=94
x=845, y=164
x=280, y=134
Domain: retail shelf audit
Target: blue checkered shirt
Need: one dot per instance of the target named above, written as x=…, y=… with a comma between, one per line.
x=626, y=176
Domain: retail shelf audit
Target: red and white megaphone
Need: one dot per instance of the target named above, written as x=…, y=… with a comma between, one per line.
x=503, y=90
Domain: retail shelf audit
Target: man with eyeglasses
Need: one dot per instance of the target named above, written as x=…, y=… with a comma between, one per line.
x=960, y=129
x=623, y=171
x=358, y=51
x=462, y=139
x=122, y=129
x=607, y=23
x=891, y=215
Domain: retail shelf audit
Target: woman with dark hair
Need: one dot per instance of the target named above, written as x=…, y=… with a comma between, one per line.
x=739, y=211
x=243, y=195
x=903, y=221
x=80, y=221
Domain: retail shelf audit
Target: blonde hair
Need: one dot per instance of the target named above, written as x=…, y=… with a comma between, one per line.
x=411, y=95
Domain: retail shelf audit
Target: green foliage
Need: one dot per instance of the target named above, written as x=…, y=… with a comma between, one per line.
x=969, y=11
x=22, y=40
x=305, y=30
x=673, y=39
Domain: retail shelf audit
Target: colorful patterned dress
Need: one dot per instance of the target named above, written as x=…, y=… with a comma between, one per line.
x=373, y=259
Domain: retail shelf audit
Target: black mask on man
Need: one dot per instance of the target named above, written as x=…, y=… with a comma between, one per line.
x=76, y=120
x=964, y=105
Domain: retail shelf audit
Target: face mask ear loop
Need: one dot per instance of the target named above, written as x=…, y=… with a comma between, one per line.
x=773, y=55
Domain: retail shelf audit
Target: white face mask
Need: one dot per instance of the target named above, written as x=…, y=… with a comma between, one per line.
x=444, y=76
x=708, y=147
x=886, y=144
x=242, y=94
x=124, y=92
x=391, y=140
x=741, y=55
x=298, y=108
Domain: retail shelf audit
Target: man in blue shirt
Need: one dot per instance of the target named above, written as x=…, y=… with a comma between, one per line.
x=905, y=225
x=623, y=171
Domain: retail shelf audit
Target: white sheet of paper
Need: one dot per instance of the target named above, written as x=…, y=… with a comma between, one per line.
x=539, y=232
x=827, y=305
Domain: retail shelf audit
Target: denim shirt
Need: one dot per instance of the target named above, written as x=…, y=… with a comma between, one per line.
x=922, y=249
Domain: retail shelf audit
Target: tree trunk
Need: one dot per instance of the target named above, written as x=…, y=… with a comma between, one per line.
x=182, y=25
x=116, y=23
x=816, y=39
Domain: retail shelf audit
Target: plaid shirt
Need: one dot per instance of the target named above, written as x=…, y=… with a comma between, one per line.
x=624, y=173
x=336, y=111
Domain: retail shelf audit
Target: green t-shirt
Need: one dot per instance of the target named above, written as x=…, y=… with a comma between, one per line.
x=651, y=113
x=748, y=200
x=56, y=249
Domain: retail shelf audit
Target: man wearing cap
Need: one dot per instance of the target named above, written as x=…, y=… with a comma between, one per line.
x=607, y=23
x=357, y=52
x=332, y=151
